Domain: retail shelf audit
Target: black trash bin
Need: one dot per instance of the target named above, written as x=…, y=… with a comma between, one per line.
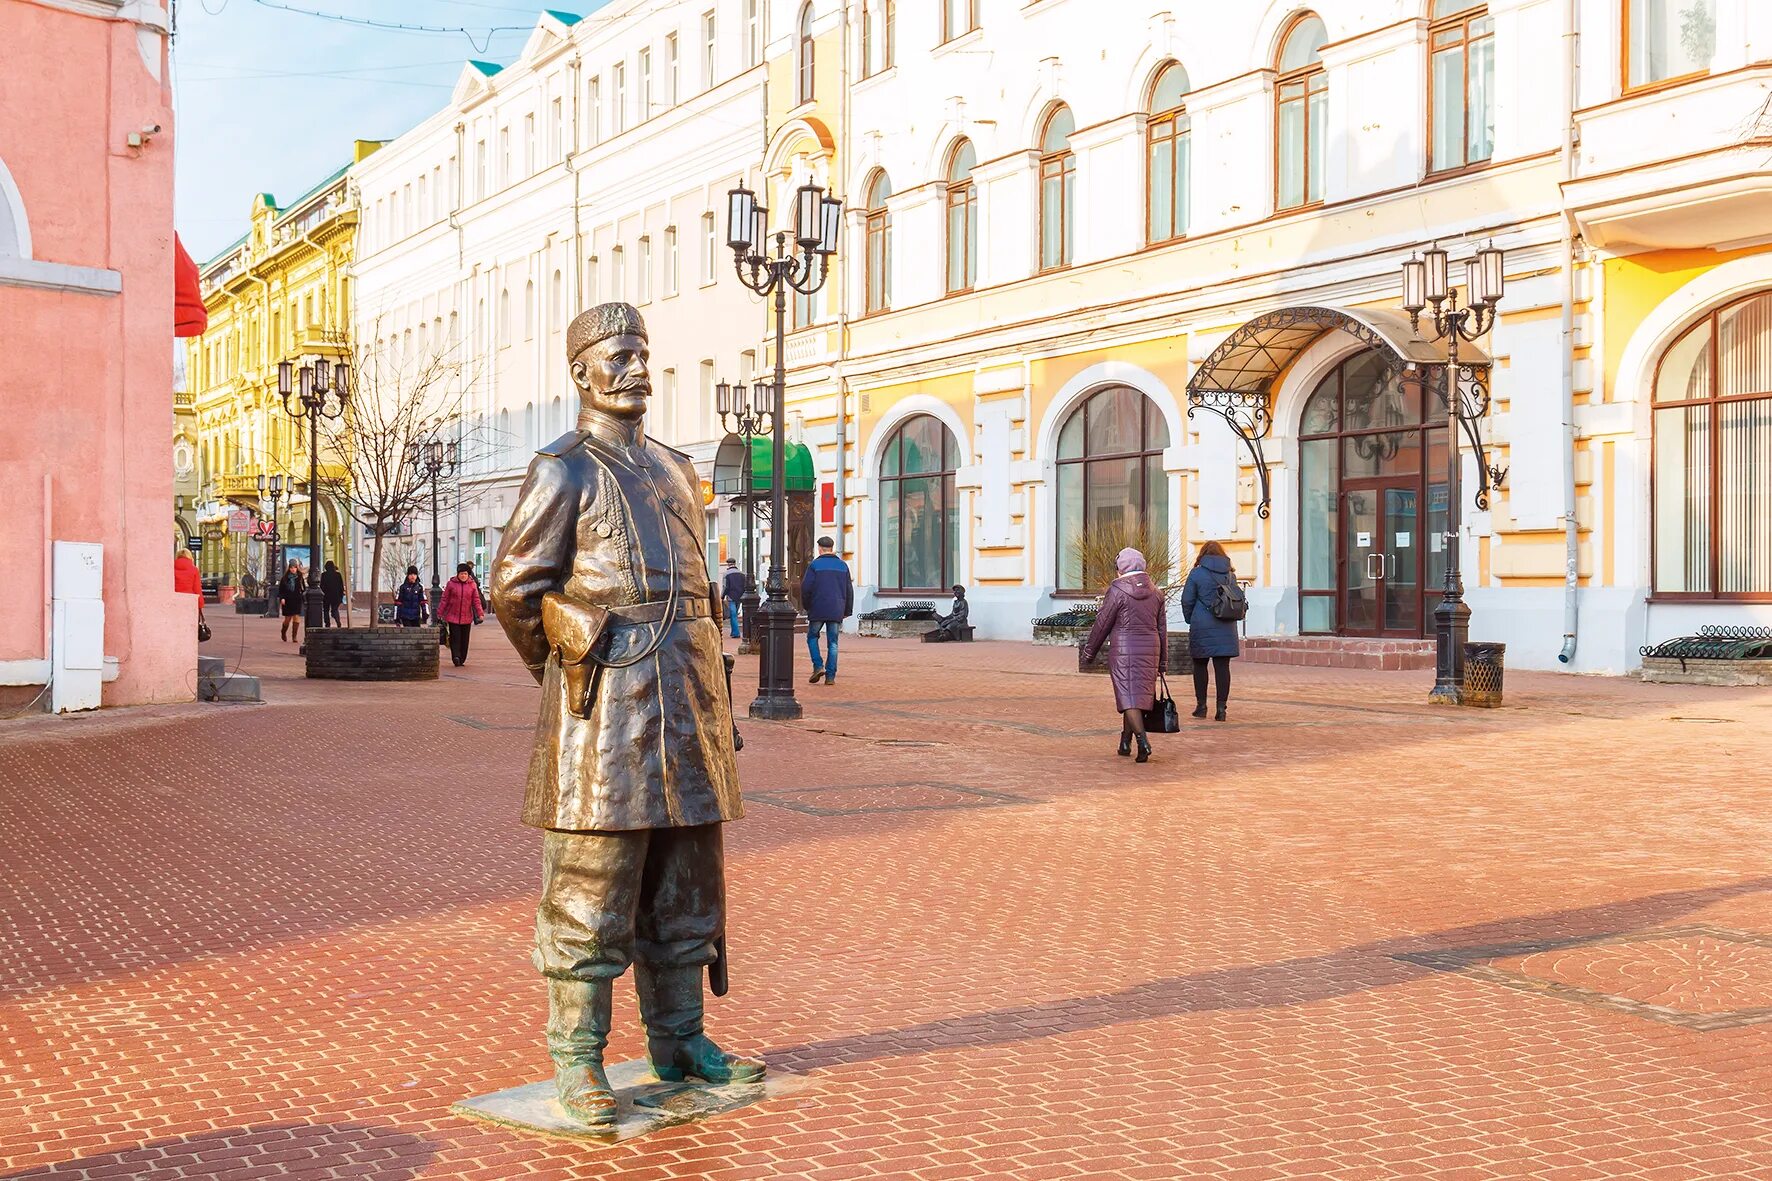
x=1484, y=664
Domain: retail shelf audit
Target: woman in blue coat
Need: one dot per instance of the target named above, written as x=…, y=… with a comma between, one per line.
x=1209, y=637
x=412, y=606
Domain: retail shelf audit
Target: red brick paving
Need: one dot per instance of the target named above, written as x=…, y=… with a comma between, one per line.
x=280, y=940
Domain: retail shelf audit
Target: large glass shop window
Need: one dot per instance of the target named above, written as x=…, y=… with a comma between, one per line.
x=919, y=511
x=1713, y=457
x=1110, y=473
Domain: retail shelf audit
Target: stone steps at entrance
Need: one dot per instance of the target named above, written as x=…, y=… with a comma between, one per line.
x=1339, y=652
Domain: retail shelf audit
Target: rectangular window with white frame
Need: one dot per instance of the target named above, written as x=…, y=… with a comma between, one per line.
x=531, y=164
x=709, y=31
x=618, y=278
x=618, y=97
x=753, y=33
x=644, y=266
x=670, y=78
x=1667, y=40
x=594, y=109
x=710, y=250
x=670, y=235
x=645, y=84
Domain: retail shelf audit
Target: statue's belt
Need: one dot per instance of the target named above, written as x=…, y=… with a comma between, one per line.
x=654, y=612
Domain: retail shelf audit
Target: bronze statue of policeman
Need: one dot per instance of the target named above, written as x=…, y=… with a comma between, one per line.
x=601, y=583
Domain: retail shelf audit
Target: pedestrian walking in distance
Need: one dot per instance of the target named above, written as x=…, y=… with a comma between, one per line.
x=290, y=593
x=412, y=608
x=732, y=590
x=828, y=594
x=1132, y=619
x=461, y=610
x=1212, y=638
x=332, y=585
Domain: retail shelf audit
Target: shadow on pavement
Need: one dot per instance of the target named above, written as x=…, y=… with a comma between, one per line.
x=1266, y=986
x=344, y=1149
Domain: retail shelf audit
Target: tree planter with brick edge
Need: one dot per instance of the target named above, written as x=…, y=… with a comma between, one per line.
x=372, y=653
x=250, y=606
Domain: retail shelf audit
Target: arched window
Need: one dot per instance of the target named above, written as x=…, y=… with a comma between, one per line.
x=504, y=317
x=1303, y=98
x=1110, y=475
x=1713, y=457
x=1058, y=190
x=529, y=310
x=962, y=218
x=1461, y=77
x=919, y=509
x=530, y=442
x=556, y=305
x=1372, y=501
x=506, y=442
x=879, y=245
x=557, y=418
x=805, y=54
x=1166, y=157
x=877, y=20
x=1666, y=40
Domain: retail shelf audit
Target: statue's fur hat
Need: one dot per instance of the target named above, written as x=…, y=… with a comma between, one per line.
x=600, y=323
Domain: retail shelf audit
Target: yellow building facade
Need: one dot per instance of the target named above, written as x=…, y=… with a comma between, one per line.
x=283, y=291
x=1103, y=268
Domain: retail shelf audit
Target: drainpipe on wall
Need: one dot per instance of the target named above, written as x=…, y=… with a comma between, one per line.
x=842, y=300
x=1571, y=526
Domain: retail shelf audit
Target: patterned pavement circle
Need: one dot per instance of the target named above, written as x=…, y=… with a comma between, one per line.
x=1342, y=935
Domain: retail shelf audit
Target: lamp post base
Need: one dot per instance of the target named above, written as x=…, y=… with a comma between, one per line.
x=1451, y=628
x=775, y=668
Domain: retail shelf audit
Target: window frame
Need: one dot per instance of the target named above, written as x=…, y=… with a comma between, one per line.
x=949, y=35
x=961, y=194
x=805, y=58
x=877, y=273
x=1315, y=80
x=887, y=10
x=1714, y=402
x=1145, y=452
x=1163, y=124
x=1061, y=165
x=945, y=478
x=709, y=44
x=1462, y=21
x=1626, y=87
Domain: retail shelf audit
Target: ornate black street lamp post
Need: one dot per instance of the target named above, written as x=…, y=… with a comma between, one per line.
x=747, y=418
x=436, y=460
x=273, y=576
x=313, y=390
x=1425, y=282
x=800, y=260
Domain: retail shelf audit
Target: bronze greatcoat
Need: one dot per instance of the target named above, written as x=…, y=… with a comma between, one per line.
x=611, y=525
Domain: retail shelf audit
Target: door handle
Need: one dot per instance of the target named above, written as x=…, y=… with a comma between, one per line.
x=1371, y=575
x=1392, y=559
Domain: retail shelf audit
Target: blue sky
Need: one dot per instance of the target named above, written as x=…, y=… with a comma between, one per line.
x=270, y=100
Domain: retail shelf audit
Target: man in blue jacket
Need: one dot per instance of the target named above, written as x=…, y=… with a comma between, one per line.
x=829, y=595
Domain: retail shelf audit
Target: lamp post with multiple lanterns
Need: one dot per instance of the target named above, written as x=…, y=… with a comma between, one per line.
x=747, y=417
x=1426, y=282
x=436, y=460
x=800, y=259
x=273, y=487
x=312, y=390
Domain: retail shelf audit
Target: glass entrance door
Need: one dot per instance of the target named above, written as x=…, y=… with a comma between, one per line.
x=1381, y=569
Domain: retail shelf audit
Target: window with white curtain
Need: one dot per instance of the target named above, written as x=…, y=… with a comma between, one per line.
x=1712, y=468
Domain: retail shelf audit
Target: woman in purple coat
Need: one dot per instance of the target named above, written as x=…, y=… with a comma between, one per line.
x=1133, y=616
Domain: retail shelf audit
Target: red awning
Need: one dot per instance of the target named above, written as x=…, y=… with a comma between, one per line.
x=189, y=317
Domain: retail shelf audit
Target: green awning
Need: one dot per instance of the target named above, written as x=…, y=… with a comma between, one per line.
x=729, y=467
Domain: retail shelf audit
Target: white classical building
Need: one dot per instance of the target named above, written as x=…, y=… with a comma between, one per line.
x=594, y=167
x=1066, y=215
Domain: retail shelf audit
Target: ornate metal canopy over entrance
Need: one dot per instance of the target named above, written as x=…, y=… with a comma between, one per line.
x=1237, y=380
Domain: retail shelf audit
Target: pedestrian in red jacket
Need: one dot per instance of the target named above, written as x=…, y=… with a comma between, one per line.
x=460, y=611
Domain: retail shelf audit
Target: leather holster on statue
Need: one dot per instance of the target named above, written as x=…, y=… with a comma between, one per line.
x=574, y=630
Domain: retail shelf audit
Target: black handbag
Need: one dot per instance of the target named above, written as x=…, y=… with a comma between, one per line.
x=202, y=632
x=1162, y=717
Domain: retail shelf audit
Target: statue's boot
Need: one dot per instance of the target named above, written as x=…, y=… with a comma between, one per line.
x=671, y=1007
x=578, y=1029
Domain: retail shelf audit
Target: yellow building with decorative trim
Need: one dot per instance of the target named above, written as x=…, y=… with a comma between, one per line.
x=281, y=292
x=1104, y=266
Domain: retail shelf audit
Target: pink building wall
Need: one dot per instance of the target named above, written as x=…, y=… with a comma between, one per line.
x=86, y=333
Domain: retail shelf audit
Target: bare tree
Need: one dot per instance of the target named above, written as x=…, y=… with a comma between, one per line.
x=401, y=397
